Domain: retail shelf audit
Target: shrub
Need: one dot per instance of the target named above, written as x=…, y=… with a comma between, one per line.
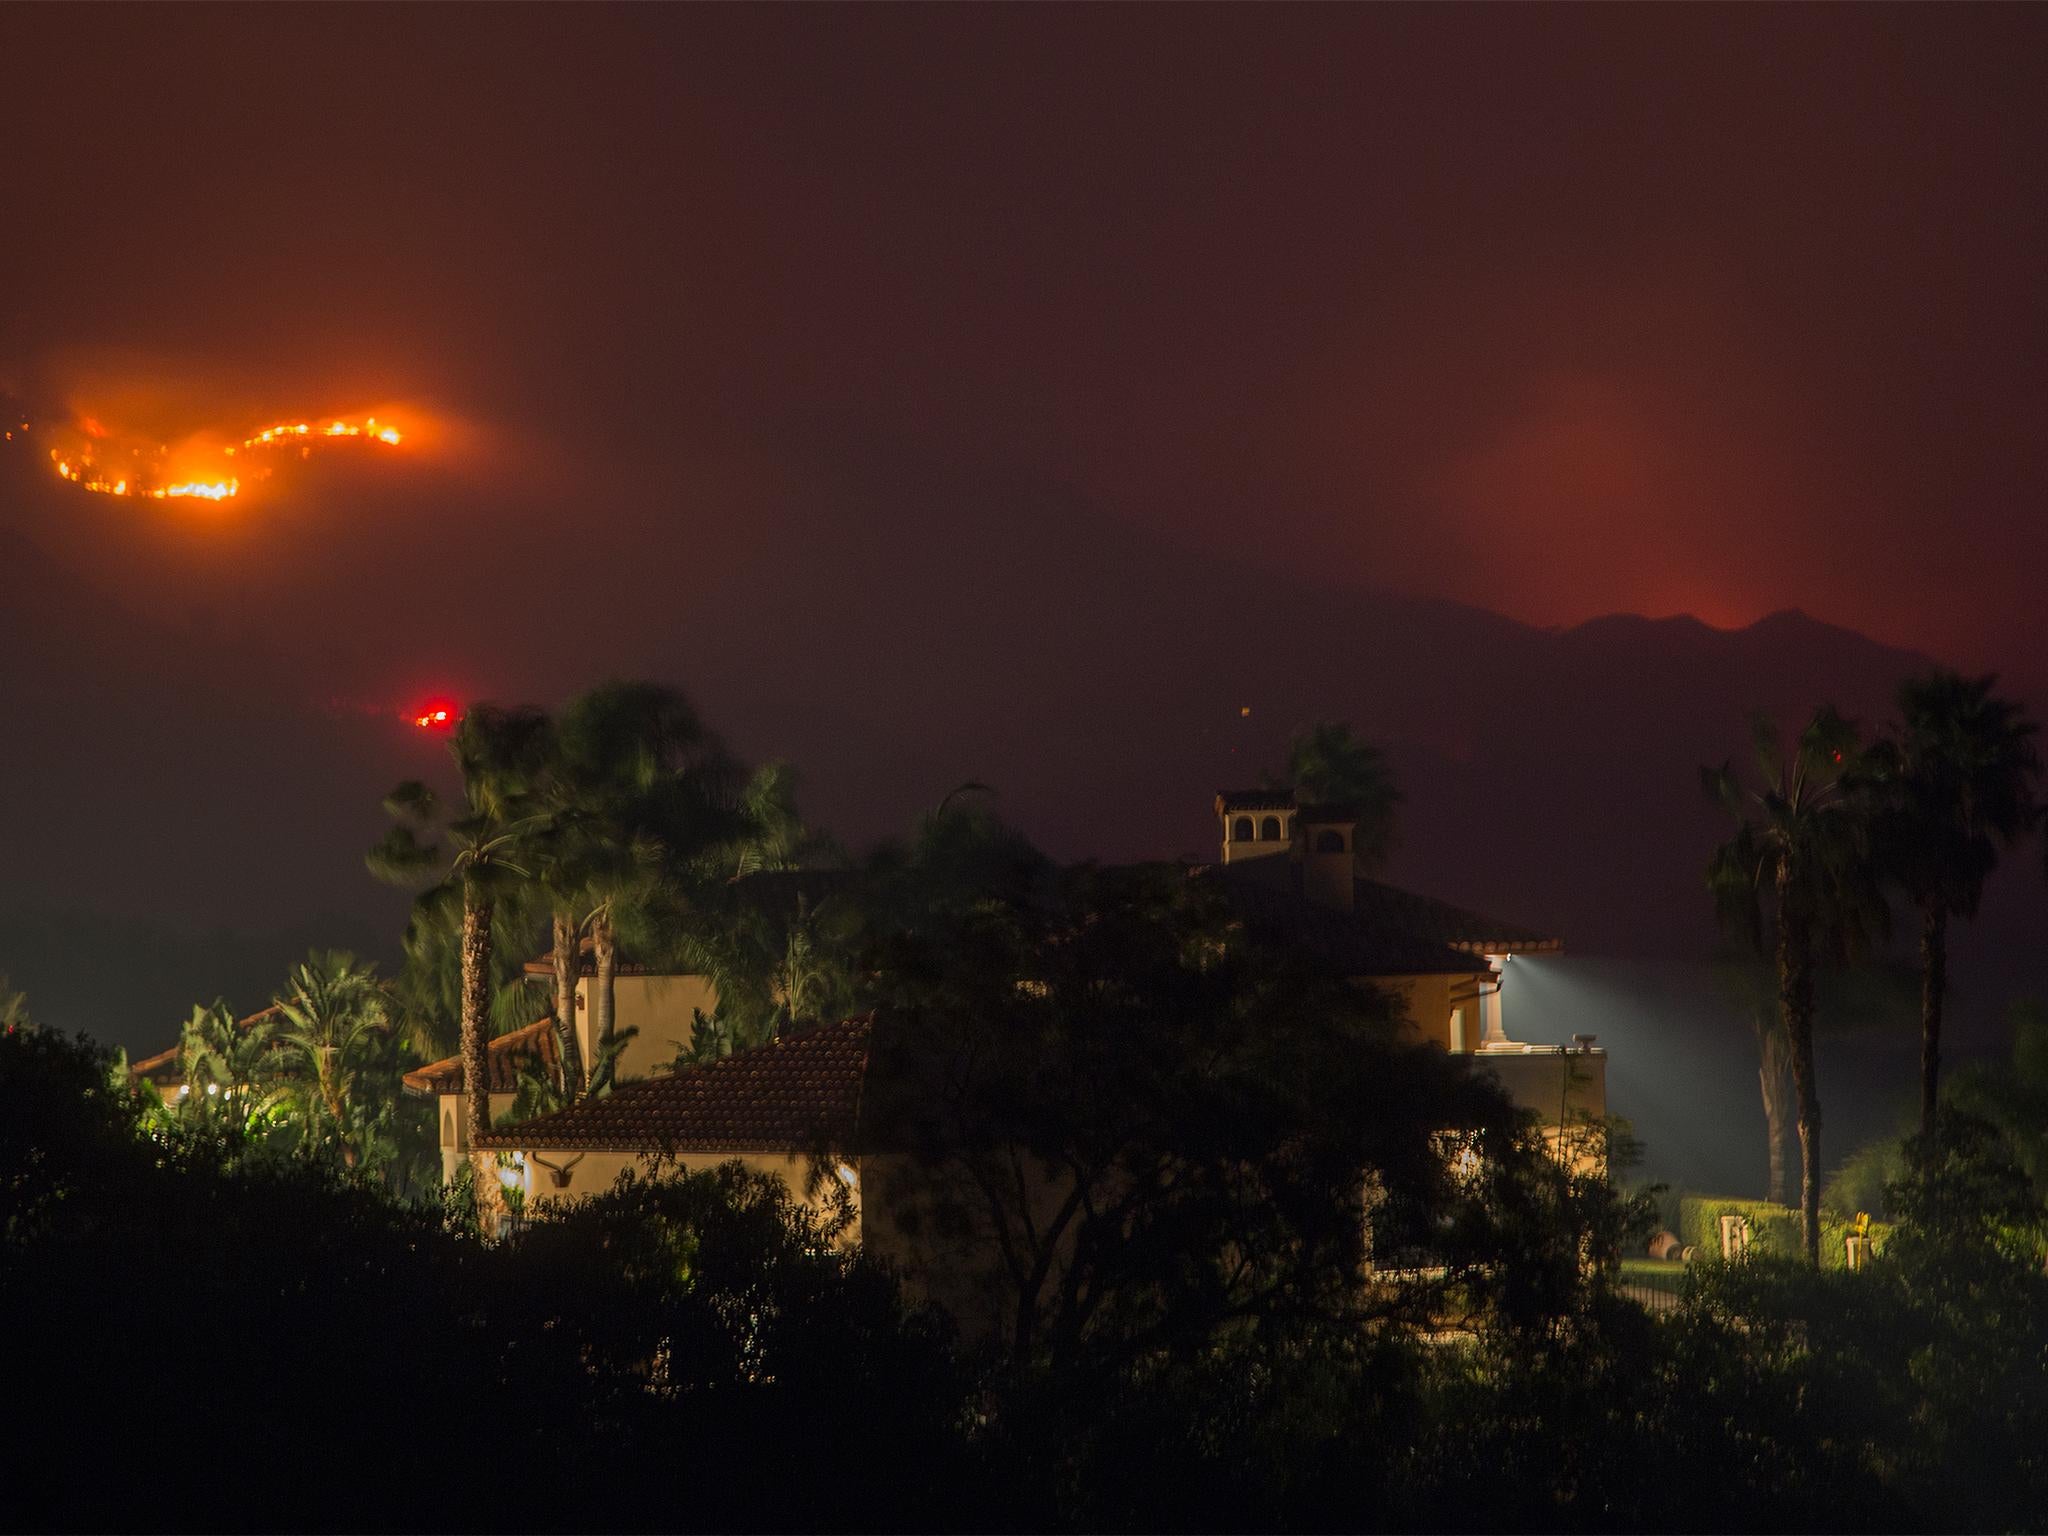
x=1863, y=1182
x=1773, y=1229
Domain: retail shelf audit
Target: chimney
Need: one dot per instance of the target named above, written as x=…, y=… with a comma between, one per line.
x=1328, y=866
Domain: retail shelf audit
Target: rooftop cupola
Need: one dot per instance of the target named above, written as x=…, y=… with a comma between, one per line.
x=1257, y=823
x=1328, y=862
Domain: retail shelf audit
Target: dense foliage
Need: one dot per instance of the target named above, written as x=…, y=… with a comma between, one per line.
x=203, y=1333
x=1241, y=1257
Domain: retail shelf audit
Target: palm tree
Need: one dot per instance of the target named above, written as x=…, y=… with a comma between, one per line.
x=426, y=992
x=1961, y=774
x=501, y=754
x=2013, y=1094
x=776, y=964
x=1748, y=986
x=650, y=795
x=1799, y=863
x=230, y=1066
x=564, y=879
x=1329, y=764
x=331, y=1014
x=13, y=1008
x=771, y=834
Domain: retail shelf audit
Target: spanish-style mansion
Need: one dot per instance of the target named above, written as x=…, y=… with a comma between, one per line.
x=1287, y=870
x=792, y=1109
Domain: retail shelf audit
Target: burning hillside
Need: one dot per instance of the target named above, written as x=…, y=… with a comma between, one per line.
x=203, y=466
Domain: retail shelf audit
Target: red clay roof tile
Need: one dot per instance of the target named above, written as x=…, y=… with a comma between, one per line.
x=796, y=1094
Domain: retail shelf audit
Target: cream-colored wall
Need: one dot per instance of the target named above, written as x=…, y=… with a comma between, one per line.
x=1426, y=1004
x=959, y=1268
x=592, y=1173
x=1551, y=1081
x=959, y=1275
x=662, y=1007
x=1235, y=850
x=453, y=1142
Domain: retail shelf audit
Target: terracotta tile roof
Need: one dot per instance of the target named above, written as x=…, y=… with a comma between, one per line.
x=1271, y=905
x=796, y=1094
x=503, y=1056
x=1424, y=916
x=1228, y=800
x=1328, y=813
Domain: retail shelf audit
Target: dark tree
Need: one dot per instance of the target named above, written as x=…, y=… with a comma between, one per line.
x=1799, y=868
x=1960, y=787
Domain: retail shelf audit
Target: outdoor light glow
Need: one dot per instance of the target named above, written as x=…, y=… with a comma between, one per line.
x=437, y=715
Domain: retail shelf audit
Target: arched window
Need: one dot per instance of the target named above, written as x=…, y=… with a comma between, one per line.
x=1241, y=830
x=447, y=1128
x=1269, y=830
x=1329, y=840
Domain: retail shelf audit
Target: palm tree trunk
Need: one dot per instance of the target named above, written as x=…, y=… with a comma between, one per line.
x=1795, y=1001
x=1933, y=985
x=566, y=1048
x=1771, y=1070
x=337, y=1111
x=605, y=957
x=476, y=1079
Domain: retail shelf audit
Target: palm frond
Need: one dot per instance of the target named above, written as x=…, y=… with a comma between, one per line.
x=400, y=858
x=413, y=801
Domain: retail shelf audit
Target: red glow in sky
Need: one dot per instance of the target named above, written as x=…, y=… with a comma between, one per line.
x=438, y=715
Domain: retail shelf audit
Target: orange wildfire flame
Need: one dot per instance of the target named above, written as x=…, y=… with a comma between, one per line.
x=306, y=430
x=82, y=470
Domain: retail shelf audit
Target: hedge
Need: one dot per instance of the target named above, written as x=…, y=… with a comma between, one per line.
x=1773, y=1229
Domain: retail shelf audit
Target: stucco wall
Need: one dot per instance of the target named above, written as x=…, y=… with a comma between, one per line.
x=1235, y=850
x=449, y=1116
x=1563, y=1088
x=955, y=1264
x=1426, y=1005
x=662, y=1007
x=958, y=1270
x=592, y=1173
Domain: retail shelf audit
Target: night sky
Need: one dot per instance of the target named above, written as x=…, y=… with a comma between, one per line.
x=891, y=377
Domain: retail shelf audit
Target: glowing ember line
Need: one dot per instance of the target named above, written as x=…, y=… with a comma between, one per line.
x=205, y=490
x=81, y=470
x=218, y=490
x=299, y=432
